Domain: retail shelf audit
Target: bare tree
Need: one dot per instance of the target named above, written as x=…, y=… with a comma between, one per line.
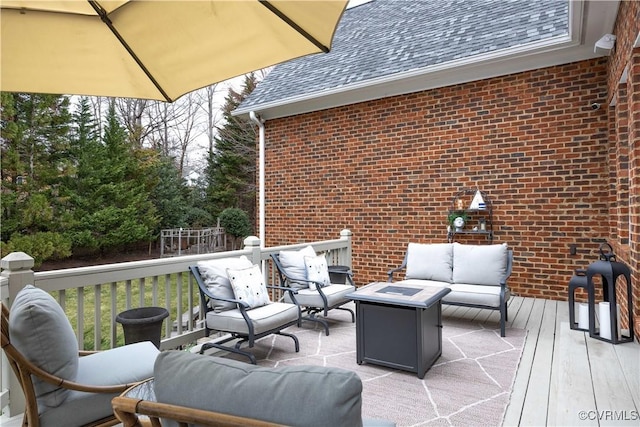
x=187, y=129
x=211, y=110
x=132, y=112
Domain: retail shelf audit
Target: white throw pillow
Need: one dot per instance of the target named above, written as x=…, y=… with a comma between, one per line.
x=292, y=263
x=214, y=275
x=479, y=264
x=248, y=286
x=317, y=271
x=430, y=262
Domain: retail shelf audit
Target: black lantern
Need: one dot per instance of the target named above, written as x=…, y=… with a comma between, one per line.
x=609, y=269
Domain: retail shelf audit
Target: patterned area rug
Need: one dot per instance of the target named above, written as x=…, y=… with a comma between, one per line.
x=470, y=384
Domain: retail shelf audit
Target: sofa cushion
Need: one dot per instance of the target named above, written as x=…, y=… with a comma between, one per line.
x=290, y=395
x=214, y=275
x=248, y=286
x=317, y=271
x=430, y=261
x=482, y=295
x=479, y=264
x=40, y=330
x=292, y=263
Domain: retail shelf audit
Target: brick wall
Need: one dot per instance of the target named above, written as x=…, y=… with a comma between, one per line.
x=388, y=169
x=624, y=143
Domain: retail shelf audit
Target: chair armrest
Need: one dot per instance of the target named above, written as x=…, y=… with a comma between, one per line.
x=232, y=300
x=283, y=288
x=127, y=409
x=395, y=270
x=301, y=280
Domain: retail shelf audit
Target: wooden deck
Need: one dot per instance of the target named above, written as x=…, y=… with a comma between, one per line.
x=566, y=378
x=563, y=374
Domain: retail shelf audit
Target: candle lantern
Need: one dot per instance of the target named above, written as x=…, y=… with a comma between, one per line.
x=610, y=270
x=578, y=280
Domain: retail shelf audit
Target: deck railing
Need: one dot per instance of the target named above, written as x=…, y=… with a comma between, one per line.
x=105, y=290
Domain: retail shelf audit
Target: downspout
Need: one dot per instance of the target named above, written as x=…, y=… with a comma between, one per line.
x=261, y=199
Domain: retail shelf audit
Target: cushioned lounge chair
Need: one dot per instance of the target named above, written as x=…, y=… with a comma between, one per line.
x=227, y=313
x=313, y=295
x=60, y=387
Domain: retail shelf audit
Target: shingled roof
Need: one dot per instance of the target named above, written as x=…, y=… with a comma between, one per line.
x=392, y=39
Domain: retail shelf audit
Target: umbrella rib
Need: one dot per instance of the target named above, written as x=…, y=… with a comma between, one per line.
x=293, y=25
x=105, y=18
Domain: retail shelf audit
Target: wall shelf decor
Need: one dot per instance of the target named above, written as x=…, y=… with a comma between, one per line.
x=471, y=213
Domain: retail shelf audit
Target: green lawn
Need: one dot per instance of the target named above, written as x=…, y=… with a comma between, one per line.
x=126, y=297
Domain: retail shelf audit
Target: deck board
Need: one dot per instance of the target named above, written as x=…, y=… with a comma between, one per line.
x=613, y=397
x=629, y=359
x=570, y=380
x=529, y=316
x=534, y=410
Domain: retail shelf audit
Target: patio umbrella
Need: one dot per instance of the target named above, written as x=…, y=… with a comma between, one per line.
x=153, y=49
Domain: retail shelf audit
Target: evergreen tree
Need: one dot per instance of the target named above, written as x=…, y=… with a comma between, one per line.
x=110, y=192
x=170, y=196
x=34, y=145
x=231, y=167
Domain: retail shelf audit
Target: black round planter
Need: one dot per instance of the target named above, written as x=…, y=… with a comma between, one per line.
x=338, y=274
x=142, y=324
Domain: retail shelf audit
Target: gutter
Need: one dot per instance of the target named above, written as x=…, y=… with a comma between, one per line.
x=258, y=120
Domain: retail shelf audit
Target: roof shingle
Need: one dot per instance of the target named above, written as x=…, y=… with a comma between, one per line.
x=386, y=37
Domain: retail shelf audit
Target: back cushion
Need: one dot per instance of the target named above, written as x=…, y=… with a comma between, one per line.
x=290, y=395
x=40, y=330
x=248, y=286
x=430, y=261
x=294, y=266
x=479, y=264
x=317, y=270
x=214, y=275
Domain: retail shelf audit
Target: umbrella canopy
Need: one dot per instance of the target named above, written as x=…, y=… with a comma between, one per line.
x=153, y=49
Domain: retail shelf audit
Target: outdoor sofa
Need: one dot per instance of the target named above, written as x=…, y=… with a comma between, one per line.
x=476, y=274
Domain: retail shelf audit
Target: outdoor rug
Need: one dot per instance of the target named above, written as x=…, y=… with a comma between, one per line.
x=469, y=385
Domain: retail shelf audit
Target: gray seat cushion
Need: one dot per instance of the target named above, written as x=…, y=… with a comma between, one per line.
x=121, y=365
x=488, y=296
x=336, y=294
x=263, y=318
x=292, y=395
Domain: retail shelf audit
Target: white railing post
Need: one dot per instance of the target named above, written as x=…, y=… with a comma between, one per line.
x=346, y=234
x=16, y=267
x=252, y=243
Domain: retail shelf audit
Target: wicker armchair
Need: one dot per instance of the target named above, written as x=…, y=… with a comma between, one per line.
x=97, y=372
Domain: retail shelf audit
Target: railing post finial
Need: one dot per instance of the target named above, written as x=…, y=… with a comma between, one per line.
x=17, y=267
